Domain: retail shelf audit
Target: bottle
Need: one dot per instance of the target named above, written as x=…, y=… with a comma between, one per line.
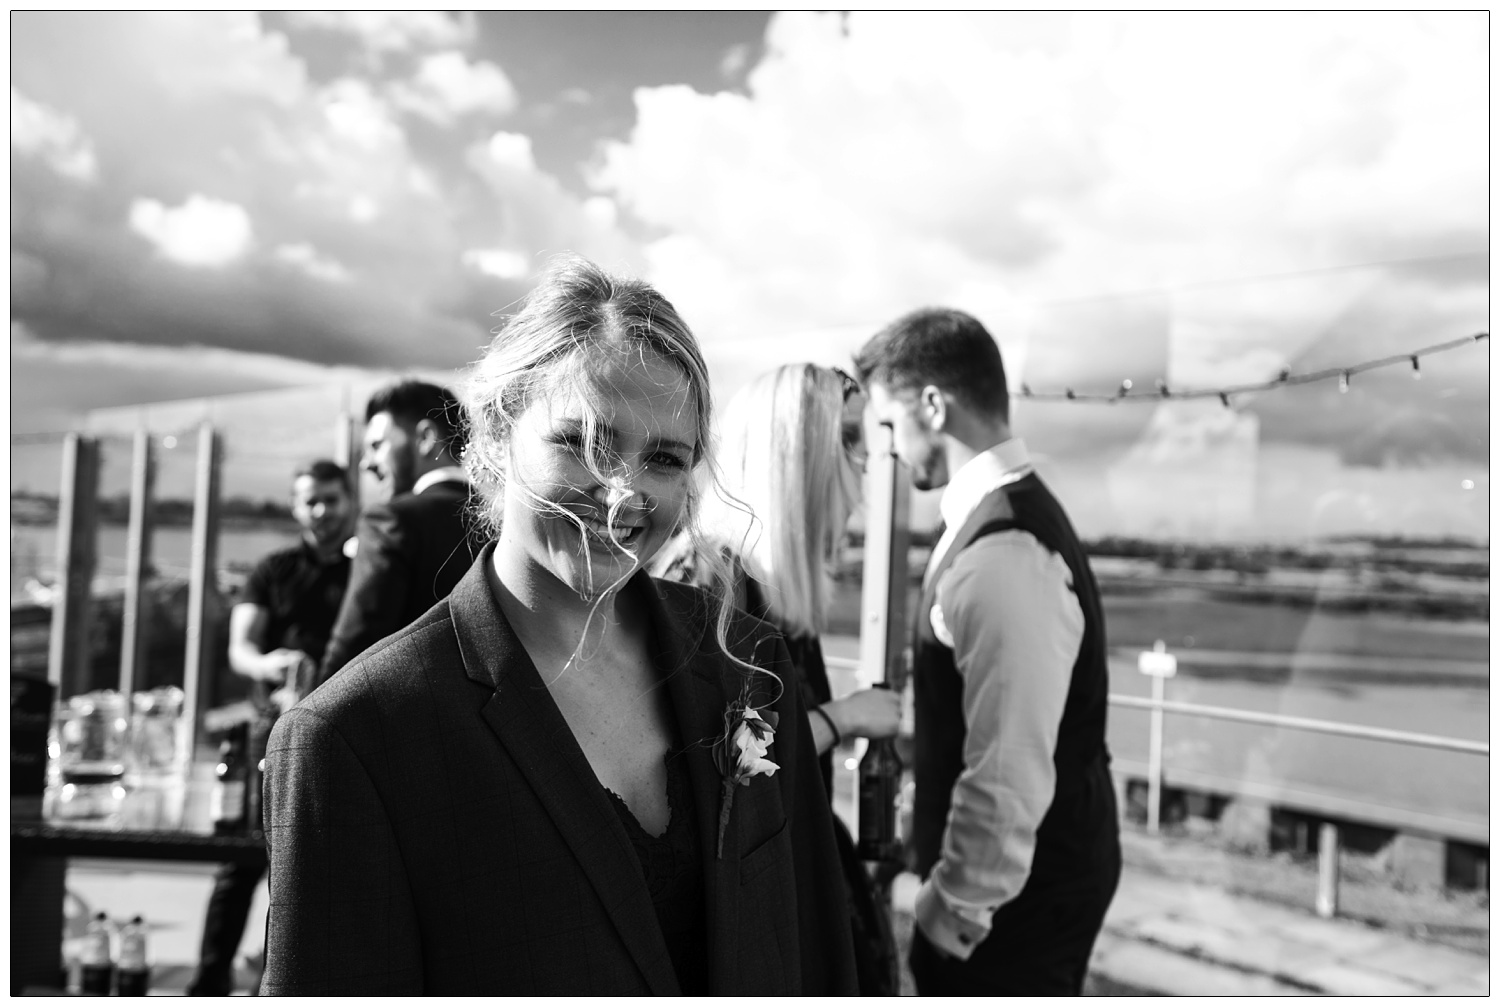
x=255, y=762
x=226, y=803
x=879, y=791
x=98, y=971
x=132, y=974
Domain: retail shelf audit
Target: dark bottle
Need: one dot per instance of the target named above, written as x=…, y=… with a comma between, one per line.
x=98, y=968
x=133, y=974
x=879, y=790
x=226, y=804
x=259, y=733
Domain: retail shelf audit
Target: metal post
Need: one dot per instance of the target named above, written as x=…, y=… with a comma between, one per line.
x=1153, y=772
x=1328, y=870
x=346, y=447
x=199, y=659
x=137, y=553
x=883, y=629
x=70, y=649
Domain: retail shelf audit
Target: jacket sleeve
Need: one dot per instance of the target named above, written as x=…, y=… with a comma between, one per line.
x=827, y=947
x=342, y=919
x=374, y=603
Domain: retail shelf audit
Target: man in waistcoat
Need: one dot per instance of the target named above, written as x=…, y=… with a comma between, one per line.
x=1015, y=830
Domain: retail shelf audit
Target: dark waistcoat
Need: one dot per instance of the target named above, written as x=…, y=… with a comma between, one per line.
x=1077, y=833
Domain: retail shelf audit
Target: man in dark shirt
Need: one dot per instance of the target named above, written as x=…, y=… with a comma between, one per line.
x=415, y=547
x=277, y=633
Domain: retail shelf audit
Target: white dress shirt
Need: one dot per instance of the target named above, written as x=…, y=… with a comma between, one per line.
x=448, y=473
x=1006, y=606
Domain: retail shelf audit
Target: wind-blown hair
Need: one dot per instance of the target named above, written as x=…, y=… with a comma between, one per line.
x=577, y=316
x=942, y=347
x=787, y=492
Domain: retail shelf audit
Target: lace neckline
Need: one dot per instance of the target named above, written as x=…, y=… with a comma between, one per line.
x=676, y=780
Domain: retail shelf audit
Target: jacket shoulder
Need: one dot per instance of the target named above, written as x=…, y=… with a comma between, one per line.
x=390, y=667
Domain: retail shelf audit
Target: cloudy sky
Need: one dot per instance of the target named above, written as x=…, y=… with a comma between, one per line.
x=207, y=203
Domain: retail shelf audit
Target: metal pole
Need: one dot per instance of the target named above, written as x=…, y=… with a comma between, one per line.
x=346, y=448
x=70, y=650
x=137, y=553
x=882, y=638
x=199, y=662
x=1328, y=870
x=1153, y=773
x=1305, y=724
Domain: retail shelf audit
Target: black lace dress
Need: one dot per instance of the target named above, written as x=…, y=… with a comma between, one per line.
x=673, y=866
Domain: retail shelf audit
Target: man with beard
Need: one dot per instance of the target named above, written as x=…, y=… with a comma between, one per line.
x=413, y=548
x=277, y=633
x=1014, y=828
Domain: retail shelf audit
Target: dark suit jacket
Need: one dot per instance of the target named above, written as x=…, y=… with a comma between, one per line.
x=412, y=550
x=434, y=827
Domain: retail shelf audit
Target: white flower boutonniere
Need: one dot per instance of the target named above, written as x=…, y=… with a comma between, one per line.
x=740, y=754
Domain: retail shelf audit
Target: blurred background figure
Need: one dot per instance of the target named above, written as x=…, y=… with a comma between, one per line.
x=277, y=635
x=413, y=548
x=791, y=459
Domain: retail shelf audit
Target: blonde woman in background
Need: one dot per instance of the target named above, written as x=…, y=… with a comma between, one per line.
x=791, y=458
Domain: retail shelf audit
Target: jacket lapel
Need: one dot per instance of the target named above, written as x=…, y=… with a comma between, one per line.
x=528, y=723
x=696, y=685
x=702, y=683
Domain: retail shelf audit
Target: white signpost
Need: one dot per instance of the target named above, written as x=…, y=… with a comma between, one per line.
x=1161, y=666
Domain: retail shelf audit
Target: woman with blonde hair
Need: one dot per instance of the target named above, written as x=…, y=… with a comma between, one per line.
x=791, y=459
x=567, y=777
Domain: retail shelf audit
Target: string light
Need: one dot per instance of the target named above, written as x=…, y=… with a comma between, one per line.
x=1284, y=377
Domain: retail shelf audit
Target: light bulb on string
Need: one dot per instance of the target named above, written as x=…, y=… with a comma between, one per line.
x=1162, y=389
x=1344, y=382
x=1224, y=399
x=1125, y=387
x=1416, y=368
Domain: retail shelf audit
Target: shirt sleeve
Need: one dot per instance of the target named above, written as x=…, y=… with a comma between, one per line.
x=257, y=590
x=1008, y=606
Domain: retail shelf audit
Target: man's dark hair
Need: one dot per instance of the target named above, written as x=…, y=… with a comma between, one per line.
x=942, y=347
x=411, y=400
x=323, y=470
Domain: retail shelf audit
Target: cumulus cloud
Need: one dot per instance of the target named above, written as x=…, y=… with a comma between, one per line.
x=38, y=131
x=392, y=30
x=880, y=160
x=499, y=262
x=511, y=151
x=311, y=262
x=447, y=86
x=317, y=226
x=201, y=232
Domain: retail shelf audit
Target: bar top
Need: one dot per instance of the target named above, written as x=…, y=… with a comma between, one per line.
x=40, y=839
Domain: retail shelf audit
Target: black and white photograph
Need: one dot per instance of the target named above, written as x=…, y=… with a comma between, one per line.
x=713, y=503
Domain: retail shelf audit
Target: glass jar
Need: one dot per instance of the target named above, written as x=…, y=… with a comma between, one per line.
x=93, y=735
x=157, y=775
